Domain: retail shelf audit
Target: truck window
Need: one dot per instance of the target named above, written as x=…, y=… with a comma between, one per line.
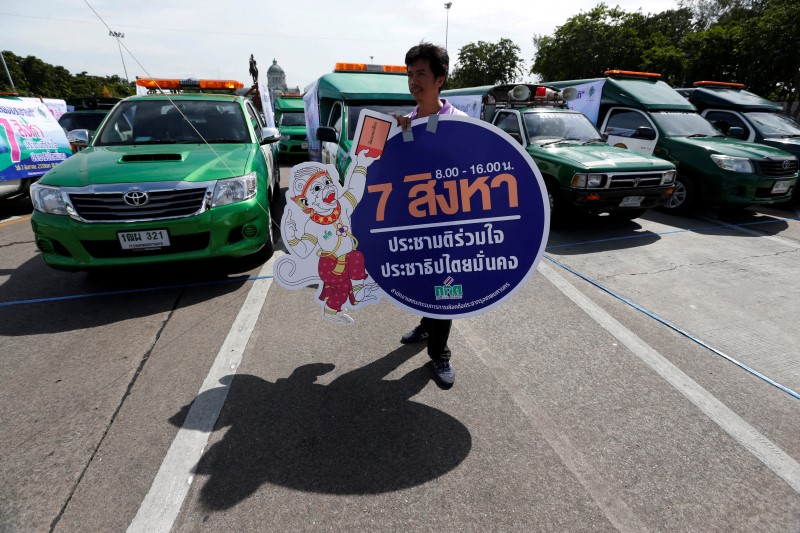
x=623, y=122
x=353, y=111
x=335, y=120
x=774, y=124
x=508, y=123
x=724, y=120
x=293, y=119
x=680, y=124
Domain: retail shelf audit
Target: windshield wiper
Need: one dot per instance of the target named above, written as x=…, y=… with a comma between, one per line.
x=790, y=136
x=154, y=141
x=589, y=141
x=559, y=141
x=697, y=135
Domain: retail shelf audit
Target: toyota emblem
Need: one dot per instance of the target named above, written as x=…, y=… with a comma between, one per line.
x=786, y=164
x=135, y=198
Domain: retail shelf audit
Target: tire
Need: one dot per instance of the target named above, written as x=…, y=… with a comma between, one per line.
x=557, y=208
x=626, y=214
x=683, y=199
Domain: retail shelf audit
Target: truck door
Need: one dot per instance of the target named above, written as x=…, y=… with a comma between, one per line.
x=628, y=128
x=329, y=149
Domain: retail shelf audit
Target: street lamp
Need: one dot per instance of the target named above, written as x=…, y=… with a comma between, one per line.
x=447, y=6
x=117, y=35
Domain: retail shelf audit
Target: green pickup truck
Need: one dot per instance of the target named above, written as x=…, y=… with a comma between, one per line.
x=638, y=111
x=580, y=170
x=290, y=118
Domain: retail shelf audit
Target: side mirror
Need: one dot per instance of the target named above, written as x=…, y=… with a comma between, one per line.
x=736, y=132
x=270, y=135
x=78, y=139
x=327, y=134
x=645, y=132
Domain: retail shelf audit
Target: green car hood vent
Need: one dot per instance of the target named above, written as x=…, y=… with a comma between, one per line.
x=137, y=158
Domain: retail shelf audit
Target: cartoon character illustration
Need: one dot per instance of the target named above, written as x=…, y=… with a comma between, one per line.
x=317, y=232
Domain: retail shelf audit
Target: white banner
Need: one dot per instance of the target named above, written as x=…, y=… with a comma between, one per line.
x=311, y=106
x=588, y=99
x=469, y=104
x=266, y=104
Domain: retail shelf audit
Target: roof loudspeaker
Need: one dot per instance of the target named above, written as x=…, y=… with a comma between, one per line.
x=519, y=92
x=569, y=94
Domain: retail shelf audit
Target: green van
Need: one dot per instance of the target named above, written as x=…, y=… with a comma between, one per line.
x=335, y=100
x=581, y=171
x=637, y=110
x=290, y=119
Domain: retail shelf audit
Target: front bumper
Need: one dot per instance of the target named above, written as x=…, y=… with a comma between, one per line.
x=227, y=231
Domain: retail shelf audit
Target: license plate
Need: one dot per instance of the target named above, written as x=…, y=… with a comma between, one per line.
x=304, y=146
x=143, y=240
x=631, y=201
x=781, y=187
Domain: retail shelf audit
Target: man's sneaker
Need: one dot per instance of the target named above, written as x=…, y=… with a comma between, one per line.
x=415, y=335
x=444, y=373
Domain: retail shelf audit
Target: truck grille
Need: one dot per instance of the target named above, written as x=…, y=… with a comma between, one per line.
x=637, y=180
x=298, y=137
x=164, y=204
x=776, y=168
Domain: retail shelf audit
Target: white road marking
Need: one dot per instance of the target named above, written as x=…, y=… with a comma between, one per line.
x=163, y=502
x=757, y=444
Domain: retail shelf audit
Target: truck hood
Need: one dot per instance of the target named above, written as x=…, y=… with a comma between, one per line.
x=293, y=130
x=731, y=147
x=151, y=163
x=791, y=145
x=600, y=157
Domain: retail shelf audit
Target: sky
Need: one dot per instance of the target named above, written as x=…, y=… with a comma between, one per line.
x=206, y=39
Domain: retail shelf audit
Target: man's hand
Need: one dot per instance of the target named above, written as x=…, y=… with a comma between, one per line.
x=402, y=121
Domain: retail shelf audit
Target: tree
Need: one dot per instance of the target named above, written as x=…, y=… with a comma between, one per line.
x=588, y=44
x=485, y=63
x=34, y=77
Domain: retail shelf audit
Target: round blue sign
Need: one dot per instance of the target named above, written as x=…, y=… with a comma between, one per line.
x=452, y=222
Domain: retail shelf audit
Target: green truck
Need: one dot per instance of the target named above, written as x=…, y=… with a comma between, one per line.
x=638, y=111
x=580, y=170
x=744, y=115
x=290, y=119
x=335, y=100
x=167, y=178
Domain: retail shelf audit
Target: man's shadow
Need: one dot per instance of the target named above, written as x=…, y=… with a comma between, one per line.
x=358, y=435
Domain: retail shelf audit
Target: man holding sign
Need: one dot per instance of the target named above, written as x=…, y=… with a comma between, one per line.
x=428, y=67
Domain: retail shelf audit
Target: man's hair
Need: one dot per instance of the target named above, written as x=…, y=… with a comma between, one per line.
x=435, y=55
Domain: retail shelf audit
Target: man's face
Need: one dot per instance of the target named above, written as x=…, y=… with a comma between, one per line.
x=422, y=84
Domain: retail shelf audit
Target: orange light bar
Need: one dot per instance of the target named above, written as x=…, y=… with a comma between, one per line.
x=631, y=73
x=719, y=84
x=290, y=95
x=364, y=67
x=174, y=84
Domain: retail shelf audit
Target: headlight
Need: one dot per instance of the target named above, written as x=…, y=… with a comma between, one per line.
x=48, y=199
x=669, y=177
x=734, y=164
x=587, y=181
x=234, y=190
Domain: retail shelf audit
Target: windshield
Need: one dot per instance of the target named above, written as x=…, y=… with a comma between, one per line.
x=388, y=109
x=293, y=119
x=81, y=121
x=774, y=124
x=551, y=126
x=684, y=125
x=188, y=121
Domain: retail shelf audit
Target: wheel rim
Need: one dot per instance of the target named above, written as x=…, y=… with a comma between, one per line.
x=678, y=196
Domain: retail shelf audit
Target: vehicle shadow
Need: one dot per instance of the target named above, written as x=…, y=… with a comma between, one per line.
x=360, y=434
x=584, y=233
x=15, y=207
x=728, y=222
x=37, y=299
